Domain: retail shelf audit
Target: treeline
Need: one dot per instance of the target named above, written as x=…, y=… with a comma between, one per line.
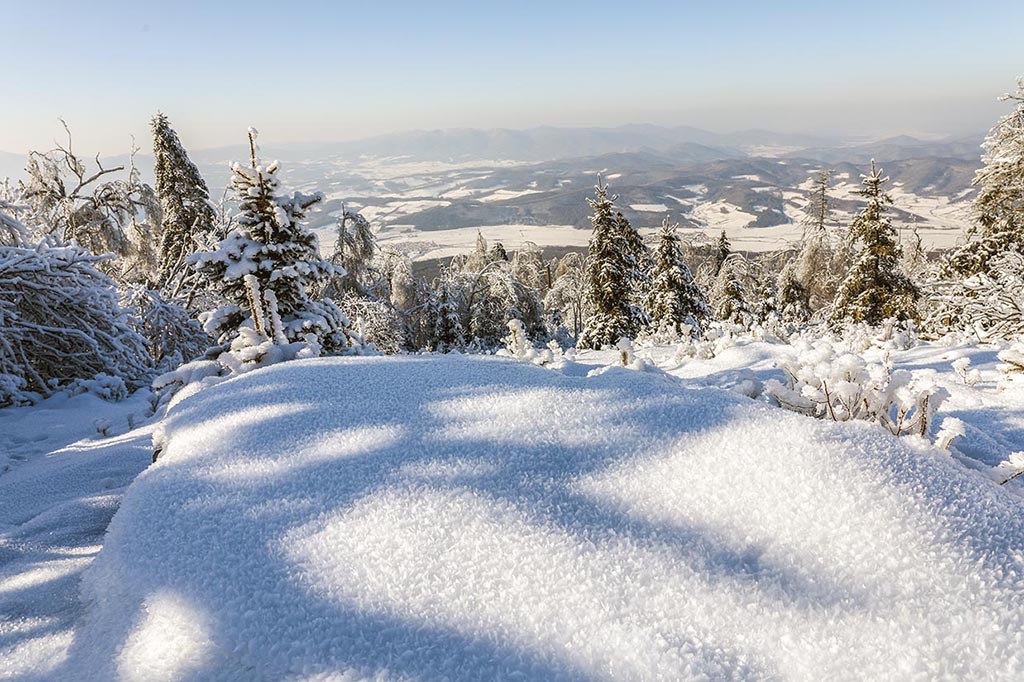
x=106, y=281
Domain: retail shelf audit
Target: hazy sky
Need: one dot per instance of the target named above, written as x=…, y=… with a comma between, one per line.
x=304, y=71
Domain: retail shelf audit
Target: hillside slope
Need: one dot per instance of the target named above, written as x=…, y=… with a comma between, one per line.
x=476, y=518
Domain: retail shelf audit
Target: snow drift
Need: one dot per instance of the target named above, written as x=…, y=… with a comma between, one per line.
x=467, y=519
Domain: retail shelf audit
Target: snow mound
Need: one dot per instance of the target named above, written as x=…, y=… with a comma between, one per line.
x=448, y=517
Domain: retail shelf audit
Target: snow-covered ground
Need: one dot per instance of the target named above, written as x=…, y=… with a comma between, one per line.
x=60, y=483
x=469, y=518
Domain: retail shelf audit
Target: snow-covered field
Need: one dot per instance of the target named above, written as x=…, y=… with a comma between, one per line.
x=481, y=518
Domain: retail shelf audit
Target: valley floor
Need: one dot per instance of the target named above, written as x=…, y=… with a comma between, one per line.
x=466, y=518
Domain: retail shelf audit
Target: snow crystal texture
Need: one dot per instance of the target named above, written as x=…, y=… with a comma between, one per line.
x=456, y=518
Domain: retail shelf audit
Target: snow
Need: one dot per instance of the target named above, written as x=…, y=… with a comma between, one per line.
x=722, y=215
x=469, y=518
x=505, y=194
x=60, y=483
x=650, y=208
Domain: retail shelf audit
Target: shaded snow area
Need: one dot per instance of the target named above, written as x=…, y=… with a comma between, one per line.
x=60, y=483
x=471, y=518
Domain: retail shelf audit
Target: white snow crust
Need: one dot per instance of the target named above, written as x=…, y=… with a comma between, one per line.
x=473, y=518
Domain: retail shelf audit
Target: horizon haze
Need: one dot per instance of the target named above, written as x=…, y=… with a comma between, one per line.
x=343, y=71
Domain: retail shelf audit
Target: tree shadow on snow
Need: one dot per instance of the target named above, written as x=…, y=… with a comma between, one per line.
x=198, y=510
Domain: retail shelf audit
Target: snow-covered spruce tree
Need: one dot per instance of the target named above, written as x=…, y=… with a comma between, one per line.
x=999, y=206
x=876, y=288
x=729, y=295
x=818, y=213
x=270, y=254
x=61, y=321
x=354, y=250
x=614, y=277
x=794, y=299
x=187, y=215
x=447, y=333
x=722, y=250
x=813, y=268
x=766, y=300
x=676, y=304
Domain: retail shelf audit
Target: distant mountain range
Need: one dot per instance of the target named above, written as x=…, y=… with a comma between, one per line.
x=430, y=181
x=541, y=144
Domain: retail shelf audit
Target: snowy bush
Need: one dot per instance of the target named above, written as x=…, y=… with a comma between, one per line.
x=12, y=231
x=1013, y=363
x=375, y=323
x=1013, y=358
x=102, y=385
x=829, y=382
x=950, y=429
x=61, y=320
x=989, y=304
x=692, y=348
x=1009, y=469
x=625, y=348
x=517, y=345
x=172, y=336
x=962, y=368
x=890, y=335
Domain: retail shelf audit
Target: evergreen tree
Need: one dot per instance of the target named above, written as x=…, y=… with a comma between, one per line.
x=498, y=252
x=447, y=330
x=813, y=267
x=876, y=288
x=186, y=212
x=729, y=295
x=354, y=249
x=613, y=273
x=675, y=300
x=818, y=213
x=722, y=250
x=270, y=253
x=767, y=296
x=794, y=299
x=999, y=206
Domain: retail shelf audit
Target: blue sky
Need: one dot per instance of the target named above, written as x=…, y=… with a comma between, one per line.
x=340, y=70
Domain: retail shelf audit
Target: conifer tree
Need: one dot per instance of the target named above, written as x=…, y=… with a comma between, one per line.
x=999, y=206
x=722, y=250
x=447, y=332
x=729, y=294
x=271, y=254
x=613, y=273
x=767, y=300
x=354, y=249
x=186, y=212
x=876, y=287
x=813, y=267
x=794, y=299
x=675, y=301
x=818, y=213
